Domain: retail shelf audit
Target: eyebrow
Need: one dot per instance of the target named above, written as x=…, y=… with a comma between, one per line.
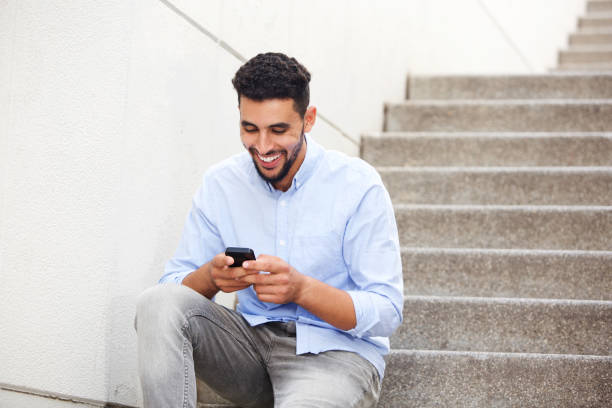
x=282, y=125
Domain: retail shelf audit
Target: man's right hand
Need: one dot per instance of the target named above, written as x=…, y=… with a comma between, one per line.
x=216, y=276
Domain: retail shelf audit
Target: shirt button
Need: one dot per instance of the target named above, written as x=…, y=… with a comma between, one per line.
x=282, y=242
x=283, y=203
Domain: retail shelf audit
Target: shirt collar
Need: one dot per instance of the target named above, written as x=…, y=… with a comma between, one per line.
x=313, y=153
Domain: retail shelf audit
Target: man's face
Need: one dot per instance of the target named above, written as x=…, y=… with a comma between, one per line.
x=273, y=133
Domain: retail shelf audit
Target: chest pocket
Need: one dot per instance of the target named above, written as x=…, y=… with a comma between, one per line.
x=319, y=256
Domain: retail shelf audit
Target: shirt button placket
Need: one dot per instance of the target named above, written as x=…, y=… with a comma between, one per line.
x=281, y=224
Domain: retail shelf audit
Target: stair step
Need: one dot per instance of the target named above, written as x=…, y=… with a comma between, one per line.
x=487, y=149
x=583, y=67
x=505, y=227
x=599, y=5
x=584, y=55
x=209, y=398
x=590, y=39
x=508, y=273
x=468, y=379
x=505, y=325
x=500, y=115
x=499, y=185
x=595, y=20
x=510, y=86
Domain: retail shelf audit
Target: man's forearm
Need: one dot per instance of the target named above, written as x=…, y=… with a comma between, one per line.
x=333, y=305
x=201, y=281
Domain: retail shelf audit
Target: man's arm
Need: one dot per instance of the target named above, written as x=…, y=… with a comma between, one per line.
x=215, y=276
x=199, y=243
x=371, y=248
x=284, y=284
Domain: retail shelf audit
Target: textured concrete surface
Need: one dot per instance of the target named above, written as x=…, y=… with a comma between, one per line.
x=505, y=325
x=599, y=5
x=596, y=20
x=590, y=38
x=576, y=55
x=526, y=227
x=508, y=273
x=459, y=379
x=207, y=395
x=510, y=86
x=499, y=185
x=500, y=115
x=487, y=149
x=583, y=67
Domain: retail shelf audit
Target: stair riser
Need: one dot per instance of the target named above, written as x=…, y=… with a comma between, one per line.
x=421, y=379
x=499, y=117
x=510, y=274
x=599, y=6
x=511, y=87
x=505, y=228
x=584, y=67
x=499, y=187
x=487, y=151
x=500, y=326
x=591, y=39
x=585, y=56
x=592, y=22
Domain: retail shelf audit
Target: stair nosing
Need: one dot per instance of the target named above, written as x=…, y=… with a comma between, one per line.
x=504, y=207
x=487, y=134
x=507, y=251
x=495, y=169
x=499, y=102
x=508, y=300
x=493, y=354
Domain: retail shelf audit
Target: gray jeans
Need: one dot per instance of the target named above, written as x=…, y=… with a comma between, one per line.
x=182, y=334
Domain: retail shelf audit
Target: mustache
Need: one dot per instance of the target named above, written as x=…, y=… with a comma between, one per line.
x=253, y=150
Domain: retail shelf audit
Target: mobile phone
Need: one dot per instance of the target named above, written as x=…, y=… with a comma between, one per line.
x=240, y=255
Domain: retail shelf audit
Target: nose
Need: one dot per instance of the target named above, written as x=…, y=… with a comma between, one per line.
x=264, y=143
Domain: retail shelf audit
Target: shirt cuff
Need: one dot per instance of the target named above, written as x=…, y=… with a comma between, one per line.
x=366, y=312
x=175, y=277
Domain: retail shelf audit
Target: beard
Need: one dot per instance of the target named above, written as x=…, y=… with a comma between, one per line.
x=286, y=167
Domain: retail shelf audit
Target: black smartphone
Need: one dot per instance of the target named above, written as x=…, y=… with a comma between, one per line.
x=240, y=255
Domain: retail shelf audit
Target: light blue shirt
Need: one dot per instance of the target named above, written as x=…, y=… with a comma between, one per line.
x=335, y=223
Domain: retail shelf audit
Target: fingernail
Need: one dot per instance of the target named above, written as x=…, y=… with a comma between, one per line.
x=245, y=264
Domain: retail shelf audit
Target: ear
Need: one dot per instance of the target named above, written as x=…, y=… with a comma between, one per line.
x=310, y=117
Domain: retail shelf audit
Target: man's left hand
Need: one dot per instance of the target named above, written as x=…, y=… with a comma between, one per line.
x=282, y=284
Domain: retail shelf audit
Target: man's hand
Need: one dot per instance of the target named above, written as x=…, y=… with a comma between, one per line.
x=282, y=284
x=216, y=276
x=225, y=278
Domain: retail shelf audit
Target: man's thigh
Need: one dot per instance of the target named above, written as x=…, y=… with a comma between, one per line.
x=229, y=356
x=328, y=379
x=207, y=340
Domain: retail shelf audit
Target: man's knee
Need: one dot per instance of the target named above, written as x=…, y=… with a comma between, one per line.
x=165, y=304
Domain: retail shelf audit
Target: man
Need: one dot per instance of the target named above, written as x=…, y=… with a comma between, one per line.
x=318, y=304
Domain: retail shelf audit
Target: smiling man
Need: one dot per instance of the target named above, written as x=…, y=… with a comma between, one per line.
x=316, y=307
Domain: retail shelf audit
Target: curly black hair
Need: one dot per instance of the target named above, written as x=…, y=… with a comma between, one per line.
x=274, y=75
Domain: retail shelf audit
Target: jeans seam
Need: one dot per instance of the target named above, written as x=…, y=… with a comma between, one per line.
x=269, y=351
x=186, y=373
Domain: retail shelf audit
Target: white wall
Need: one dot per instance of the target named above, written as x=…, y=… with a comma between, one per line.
x=110, y=111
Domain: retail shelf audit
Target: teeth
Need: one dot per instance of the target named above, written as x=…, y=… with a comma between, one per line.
x=269, y=159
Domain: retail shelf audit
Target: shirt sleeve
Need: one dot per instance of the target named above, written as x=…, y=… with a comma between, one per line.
x=372, y=253
x=200, y=240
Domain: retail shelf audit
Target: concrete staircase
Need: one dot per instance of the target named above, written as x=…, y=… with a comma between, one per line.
x=502, y=187
x=590, y=47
